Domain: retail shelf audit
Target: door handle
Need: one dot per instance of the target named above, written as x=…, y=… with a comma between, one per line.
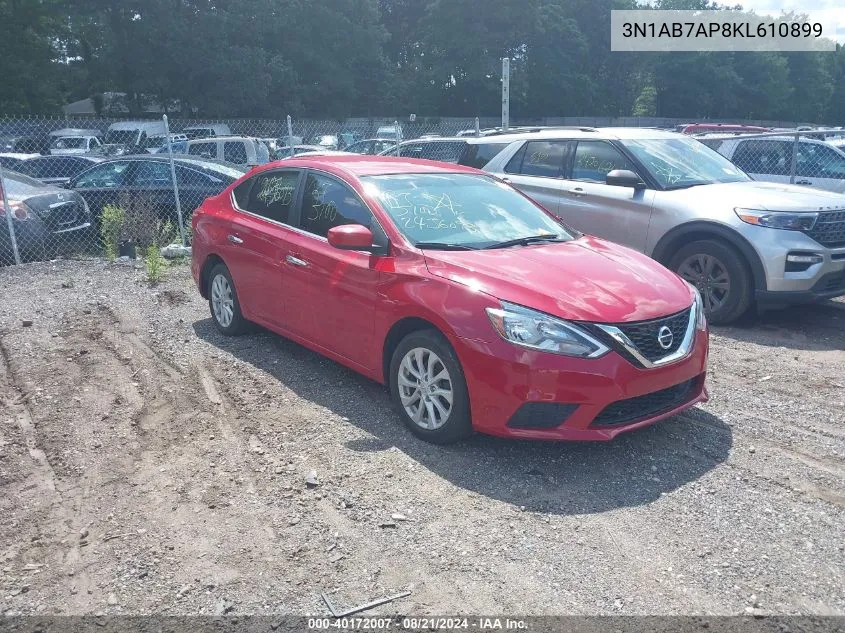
x=295, y=261
x=576, y=191
x=234, y=239
x=803, y=182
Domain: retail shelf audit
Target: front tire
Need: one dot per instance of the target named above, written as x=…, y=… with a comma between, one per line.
x=223, y=302
x=721, y=276
x=429, y=389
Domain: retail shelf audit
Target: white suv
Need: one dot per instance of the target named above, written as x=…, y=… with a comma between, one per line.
x=769, y=158
x=738, y=241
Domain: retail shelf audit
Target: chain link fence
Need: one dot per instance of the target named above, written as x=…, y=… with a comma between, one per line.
x=811, y=158
x=92, y=187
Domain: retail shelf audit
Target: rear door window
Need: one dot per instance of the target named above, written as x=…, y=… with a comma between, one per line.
x=234, y=152
x=150, y=173
x=540, y=158
x=270, y=195
x=207, y=150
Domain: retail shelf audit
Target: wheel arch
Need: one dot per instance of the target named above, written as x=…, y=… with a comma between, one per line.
x=208, y=265
x=397, y=332
x=669, y=244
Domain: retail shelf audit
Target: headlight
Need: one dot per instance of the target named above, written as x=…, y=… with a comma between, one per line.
x=778, y=219
x=543, y=332
x=698, y=306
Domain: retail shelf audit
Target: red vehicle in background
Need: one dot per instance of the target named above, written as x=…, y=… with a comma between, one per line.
x=719, y=128
x=474, y=305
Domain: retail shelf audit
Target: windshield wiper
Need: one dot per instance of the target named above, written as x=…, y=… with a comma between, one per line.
x=531, y=239
x=444, y=246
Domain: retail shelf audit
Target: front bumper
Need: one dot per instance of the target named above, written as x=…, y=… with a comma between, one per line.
x=502, y=377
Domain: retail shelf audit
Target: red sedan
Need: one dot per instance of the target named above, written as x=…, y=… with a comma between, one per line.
x=477, y=307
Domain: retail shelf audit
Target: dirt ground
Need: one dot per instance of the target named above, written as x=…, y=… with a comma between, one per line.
x=150, y=465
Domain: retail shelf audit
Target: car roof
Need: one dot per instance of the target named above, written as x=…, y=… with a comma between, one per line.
x=89, y=157
x=191, y=161
x=357, y=165
x=607, y=133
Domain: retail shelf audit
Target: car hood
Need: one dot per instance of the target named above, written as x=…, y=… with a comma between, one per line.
x=583, y=280
x=765, y=196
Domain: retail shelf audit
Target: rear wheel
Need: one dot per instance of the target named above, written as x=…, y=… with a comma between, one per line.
x=223, y=302
x=721, y=276
x=429, y=389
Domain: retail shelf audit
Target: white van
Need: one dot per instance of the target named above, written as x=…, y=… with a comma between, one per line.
x=133, y=133
x=207, y=131
x=69, y=145
x=239, y=150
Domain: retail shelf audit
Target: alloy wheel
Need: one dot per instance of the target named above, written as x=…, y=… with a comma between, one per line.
x=710, y=276
x=425, y=388
x=222, y=301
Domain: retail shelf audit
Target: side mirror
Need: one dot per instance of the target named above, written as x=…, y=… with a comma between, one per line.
x=351, y=237
x=625, y=178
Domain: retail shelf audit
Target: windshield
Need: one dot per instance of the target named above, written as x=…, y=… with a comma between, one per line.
x=69, y=142
x=231, y=171
x=460, y=209
x=676, y=163
x=125, y=137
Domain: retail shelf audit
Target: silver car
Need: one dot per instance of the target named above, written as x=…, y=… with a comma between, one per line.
x=741, y=243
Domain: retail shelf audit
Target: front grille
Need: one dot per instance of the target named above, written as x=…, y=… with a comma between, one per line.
x=829, y=229
x=541, y=415
x=647, y=406
x=644, y=334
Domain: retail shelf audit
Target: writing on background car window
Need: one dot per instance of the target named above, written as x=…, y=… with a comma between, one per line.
x=593, y=163
x=276, y=190
x=538, y=158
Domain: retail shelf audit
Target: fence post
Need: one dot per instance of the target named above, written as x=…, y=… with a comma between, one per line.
x=398, y=136
x=506, y=96
x=794, y=159
x=290, y=135
x=7, y=210
x=477, y=127
x=175, y=185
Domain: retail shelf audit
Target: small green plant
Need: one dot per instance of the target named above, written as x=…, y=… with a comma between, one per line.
x=155, y=264
x=111, y=226
x=167, y=233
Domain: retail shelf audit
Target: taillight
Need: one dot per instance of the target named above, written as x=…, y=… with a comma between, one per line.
x=19, y=210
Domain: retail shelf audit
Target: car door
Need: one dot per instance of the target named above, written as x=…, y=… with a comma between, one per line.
x=764, y=159
x=332, y=293
x=620, y=214
x=258, y=241
x=821, y=166
x=152, y=186
x=536, y=170
x=103, y=185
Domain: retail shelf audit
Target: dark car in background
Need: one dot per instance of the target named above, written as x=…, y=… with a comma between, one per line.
x=47, y=220
x=372, y=146
x=147, y=180
x=57, y=170
x=470, y=152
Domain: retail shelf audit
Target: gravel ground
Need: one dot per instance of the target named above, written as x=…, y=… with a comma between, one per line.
x=150, y=465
